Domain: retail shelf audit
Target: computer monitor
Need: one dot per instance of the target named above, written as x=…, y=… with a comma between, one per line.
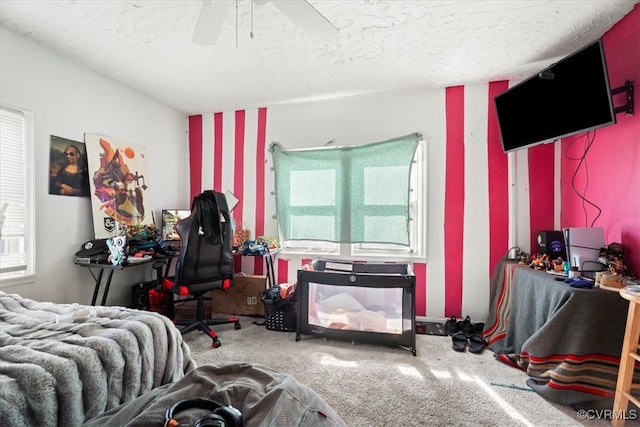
x=583, y=246
x=170, y=218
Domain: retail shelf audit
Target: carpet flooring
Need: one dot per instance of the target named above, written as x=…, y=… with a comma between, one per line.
x=372, y=385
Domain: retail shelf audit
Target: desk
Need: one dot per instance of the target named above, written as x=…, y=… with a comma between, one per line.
x=110, y=268
x=568, y=340
x=101, y=267
x=268, y=257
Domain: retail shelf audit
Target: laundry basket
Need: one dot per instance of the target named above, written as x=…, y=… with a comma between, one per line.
x=281, y=318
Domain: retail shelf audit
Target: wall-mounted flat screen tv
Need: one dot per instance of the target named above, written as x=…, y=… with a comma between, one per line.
x=569, y=97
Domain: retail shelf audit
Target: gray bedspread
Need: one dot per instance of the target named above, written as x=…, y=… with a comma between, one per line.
x=57, y=371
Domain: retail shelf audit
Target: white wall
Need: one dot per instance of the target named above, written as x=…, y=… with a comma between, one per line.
x=69, y=100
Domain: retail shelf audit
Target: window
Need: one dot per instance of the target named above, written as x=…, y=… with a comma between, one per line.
x=353, y=202
x=17, y=249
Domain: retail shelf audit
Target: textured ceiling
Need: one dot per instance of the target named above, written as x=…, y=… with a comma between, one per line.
x=382, y=45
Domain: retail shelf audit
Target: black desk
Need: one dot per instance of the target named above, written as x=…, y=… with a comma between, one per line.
x=101, y=267
x=568, y=340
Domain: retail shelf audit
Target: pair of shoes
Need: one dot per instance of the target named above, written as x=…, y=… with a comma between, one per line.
x=453, y=326
x=469, y=328
x=476, y=342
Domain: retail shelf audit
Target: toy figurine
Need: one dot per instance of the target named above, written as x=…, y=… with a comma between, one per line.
x=540, y=262
x=117, y=251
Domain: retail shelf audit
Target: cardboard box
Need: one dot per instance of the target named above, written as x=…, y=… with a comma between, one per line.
x=244, y=298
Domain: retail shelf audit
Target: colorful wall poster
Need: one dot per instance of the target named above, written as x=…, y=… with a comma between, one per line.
x=119, y=192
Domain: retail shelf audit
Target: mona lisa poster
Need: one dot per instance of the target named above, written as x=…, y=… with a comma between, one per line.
x=68, y=174
x=119, y=192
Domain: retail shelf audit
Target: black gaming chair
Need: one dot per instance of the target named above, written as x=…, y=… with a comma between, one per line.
x=205, y=262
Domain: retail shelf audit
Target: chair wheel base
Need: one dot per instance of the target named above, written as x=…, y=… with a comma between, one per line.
x=216, y=343
x=237, y=326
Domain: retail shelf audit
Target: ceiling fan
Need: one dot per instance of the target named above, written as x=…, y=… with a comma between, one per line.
x=301, y=12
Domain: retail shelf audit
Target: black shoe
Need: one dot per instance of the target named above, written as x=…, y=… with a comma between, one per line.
x=466, y=327
x=452, y=326
x=476, y=344
x=458, y=341
x=479, y=327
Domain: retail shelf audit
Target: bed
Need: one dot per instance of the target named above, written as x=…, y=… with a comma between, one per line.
x=64, y=364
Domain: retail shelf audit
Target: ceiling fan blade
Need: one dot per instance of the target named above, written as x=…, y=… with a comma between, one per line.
x=305, y=16
x=211, y=21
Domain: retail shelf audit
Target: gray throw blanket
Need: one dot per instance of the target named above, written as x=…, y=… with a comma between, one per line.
x=61, y=369
x=264, y=396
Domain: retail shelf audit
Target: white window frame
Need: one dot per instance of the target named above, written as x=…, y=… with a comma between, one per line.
x=23, y=274
x=417, y=251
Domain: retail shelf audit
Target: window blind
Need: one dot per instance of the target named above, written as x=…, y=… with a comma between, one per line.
x=13, y=193
x=357, y=194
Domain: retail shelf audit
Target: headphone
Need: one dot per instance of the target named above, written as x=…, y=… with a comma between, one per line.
x=220, y=416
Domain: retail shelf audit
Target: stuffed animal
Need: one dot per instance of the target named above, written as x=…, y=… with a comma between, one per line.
x=117, y=253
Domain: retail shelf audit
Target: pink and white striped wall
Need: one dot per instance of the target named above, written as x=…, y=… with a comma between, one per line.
x=480, y=201
x=468, y=190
